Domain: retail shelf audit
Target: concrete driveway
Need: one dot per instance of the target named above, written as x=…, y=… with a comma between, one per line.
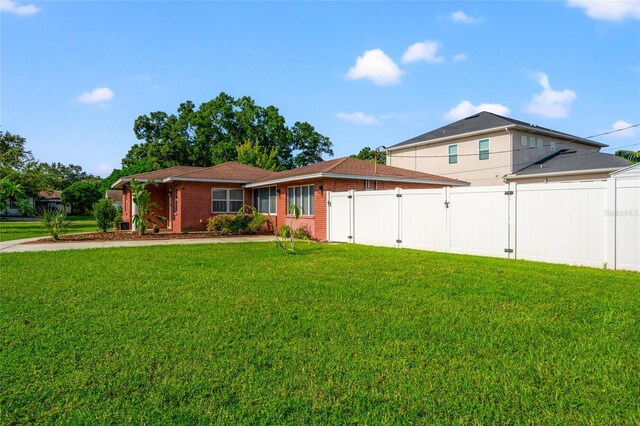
x=19, y=246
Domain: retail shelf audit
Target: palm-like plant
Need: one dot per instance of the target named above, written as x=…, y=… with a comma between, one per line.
x=631, y=156
x=142, y=199
x=11, y=191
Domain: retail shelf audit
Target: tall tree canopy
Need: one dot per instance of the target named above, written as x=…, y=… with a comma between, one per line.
x=369, y=154
x=631, y=156
x=211, y=134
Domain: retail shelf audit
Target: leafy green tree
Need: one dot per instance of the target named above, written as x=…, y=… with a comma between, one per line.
x=631, y=156
x=60, y=176
x=81, y=195
x=141, y=166
x=104, y=213
x=309, y=144
x=12, y=151
x=369, y=154
x=210, y=134
x=257, y=156
x=11, y=191
x=142, y=199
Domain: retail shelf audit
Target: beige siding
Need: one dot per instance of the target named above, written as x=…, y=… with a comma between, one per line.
x=434, y=158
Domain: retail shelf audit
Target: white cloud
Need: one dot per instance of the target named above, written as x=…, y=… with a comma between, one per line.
x=101, y=94
x=357, y=117
x=376, y=66
x=460, y=57
x=551, y=103
x=460, y=17
x=627, y=133
x=611, y=10
x=466, y=108
x=423, y=51
x=12, y=7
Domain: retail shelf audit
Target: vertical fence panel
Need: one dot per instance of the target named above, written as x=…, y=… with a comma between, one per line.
x=375, y=217
x=478, y=220
x=563, y=222
x=424, y=219
x=339, y=222
x=627, y=215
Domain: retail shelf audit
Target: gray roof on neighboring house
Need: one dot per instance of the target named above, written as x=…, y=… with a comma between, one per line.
x=573, y=160
x=484, y=121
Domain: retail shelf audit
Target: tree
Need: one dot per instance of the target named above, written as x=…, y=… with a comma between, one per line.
x=257, y=156
x=141, y=166
x=309, y=144
x=210, y=134
x=631, y=156
x=13, y=192
x=12, y=151
x=369, y=154
x=142, y=199
x=81, y=195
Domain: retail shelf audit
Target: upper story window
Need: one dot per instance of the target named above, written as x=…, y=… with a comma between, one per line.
x=265, y=199
x=523, y=140
x=540, y=143
x=553, y=145
x=301, y=196
x=226, y=200
x=453, y=154
x=483, y=149
x=532, y=142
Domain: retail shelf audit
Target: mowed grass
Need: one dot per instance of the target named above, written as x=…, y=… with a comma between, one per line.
x=10, y=230
x=241, y=334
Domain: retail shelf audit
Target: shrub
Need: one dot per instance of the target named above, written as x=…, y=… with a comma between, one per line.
x=105, y=213
x=301, y=233
x=229, y=224
x=257, y=223
x=118, y=218
x=220, y=224
x=54, y=221
x=284, y=231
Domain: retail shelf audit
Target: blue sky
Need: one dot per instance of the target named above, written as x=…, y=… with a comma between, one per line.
x=75, y=75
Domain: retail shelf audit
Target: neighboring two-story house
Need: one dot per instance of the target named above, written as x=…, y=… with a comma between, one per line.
x=488, y=149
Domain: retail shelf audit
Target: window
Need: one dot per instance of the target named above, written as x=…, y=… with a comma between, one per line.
x=483, y=149
x=523, y=140
x=265, y=199
x=540, y=143
x=175, y=203
x=301, y=196
x=226, y=200
x=370, y=185
x=532, y=142
x=453, y=154
x=553, y=145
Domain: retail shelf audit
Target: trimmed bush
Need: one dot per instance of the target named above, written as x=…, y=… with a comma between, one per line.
x=229, y=224
x=257, y=223
x=105, y=213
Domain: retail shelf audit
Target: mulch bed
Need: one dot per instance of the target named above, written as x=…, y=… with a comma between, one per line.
x=128, y=236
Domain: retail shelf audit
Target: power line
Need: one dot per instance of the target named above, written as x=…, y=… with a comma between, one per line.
x=613, y=131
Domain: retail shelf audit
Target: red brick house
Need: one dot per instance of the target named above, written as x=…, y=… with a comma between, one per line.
x=188, y=196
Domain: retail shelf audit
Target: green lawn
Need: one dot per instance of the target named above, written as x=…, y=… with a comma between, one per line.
x=239, y=333
x=10, y=230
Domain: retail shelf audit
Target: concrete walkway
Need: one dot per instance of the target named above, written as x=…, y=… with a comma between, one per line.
x=19, y=246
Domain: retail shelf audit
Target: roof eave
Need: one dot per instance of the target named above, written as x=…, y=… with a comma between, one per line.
x=448, y=138
x=566, y=173
x=348, y=176
x=211, y=180
x=568, y=138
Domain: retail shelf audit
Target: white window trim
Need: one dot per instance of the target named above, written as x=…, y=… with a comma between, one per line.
x=481, y=151
x=304, y=211
x=452, y=155
x=228, y=199
x=258, y=189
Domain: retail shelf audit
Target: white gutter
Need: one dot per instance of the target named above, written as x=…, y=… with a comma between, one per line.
x=359, y=177
x=568, y=173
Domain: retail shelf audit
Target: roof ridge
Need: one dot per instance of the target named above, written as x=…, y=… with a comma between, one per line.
x=338, y=161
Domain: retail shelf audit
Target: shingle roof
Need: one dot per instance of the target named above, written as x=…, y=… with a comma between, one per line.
x=353, y=167
x=228, y=171
x=484, y=121
x=164, y=173
x=50, y=195
x=570, y=160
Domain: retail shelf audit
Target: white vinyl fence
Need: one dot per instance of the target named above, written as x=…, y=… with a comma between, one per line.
x=578, y=223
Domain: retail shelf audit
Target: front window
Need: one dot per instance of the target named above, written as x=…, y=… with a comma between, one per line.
x=265, y=199
x=370, y=185
x=483, y=149
x=453, y=154
x=226, y=200
x=301, y=196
